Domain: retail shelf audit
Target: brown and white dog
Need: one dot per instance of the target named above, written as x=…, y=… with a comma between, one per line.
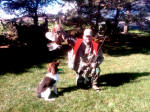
x=48, y=82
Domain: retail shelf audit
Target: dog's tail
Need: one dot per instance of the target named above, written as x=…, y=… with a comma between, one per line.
x=38, y=92
x=39, y=95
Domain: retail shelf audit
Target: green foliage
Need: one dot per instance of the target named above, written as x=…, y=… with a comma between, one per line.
x=28, y=5
x=1, y=29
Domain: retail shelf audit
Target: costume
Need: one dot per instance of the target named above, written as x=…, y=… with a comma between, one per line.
x=81, y=59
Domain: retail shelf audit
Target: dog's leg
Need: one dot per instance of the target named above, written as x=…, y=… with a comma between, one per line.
x=46, y=94
x=55, y=88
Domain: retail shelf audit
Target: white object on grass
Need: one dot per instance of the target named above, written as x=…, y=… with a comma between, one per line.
x=53, y=46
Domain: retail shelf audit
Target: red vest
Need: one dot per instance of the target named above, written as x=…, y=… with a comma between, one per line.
x=79, y=42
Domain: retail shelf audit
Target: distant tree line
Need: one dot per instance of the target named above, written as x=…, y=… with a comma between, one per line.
x=86, y=11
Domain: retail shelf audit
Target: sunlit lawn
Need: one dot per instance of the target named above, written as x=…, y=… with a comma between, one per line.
x=142, y=33
x=124, y=83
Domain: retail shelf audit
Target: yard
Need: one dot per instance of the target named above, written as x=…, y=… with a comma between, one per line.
x=124, y=83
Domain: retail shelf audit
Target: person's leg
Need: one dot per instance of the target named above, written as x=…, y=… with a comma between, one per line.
x=77, y=77
x=80, y=79
x=95, y=74
x=86, y=76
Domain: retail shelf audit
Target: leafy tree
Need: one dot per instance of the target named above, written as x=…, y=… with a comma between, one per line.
x=140, y=13
x=93, y=10
x=26, y=7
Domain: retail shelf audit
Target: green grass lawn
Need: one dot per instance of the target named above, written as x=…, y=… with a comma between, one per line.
x=124, y=83
x=138, y=32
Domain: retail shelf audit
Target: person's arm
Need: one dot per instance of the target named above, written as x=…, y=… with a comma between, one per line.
x=96, y=62
x=100, y=57
x=68, y=38
x=71, y=41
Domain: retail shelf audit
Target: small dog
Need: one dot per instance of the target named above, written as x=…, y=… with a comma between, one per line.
x=48, y=82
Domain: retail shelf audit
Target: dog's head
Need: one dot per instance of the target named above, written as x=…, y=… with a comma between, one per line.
x=53, y=67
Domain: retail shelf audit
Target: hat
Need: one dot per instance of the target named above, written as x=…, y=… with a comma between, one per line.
x=88, y=32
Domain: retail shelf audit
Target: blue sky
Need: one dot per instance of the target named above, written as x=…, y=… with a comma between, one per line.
x=49, y=10
x=57, y=8
x=4, y=15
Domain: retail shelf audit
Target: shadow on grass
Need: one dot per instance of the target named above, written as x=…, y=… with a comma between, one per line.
x=19, y=60
x=114, y=80
x=67, y=89
x=127, y=44
x=117, y=79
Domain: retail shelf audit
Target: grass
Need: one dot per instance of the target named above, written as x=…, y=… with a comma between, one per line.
x=138, y=32
x=124, y=84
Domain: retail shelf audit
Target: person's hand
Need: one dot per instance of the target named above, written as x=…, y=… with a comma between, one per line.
x=83, y=64
x=93, y=65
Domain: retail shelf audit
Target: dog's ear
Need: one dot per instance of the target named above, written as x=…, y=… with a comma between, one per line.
x=52, y=67
x=49, y=68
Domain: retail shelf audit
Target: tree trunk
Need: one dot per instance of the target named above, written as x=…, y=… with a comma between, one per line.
x=35, y=19
x=36, y=14
x=116, y=18
x=90, y=11
x=114, y=30
x=97, y=18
